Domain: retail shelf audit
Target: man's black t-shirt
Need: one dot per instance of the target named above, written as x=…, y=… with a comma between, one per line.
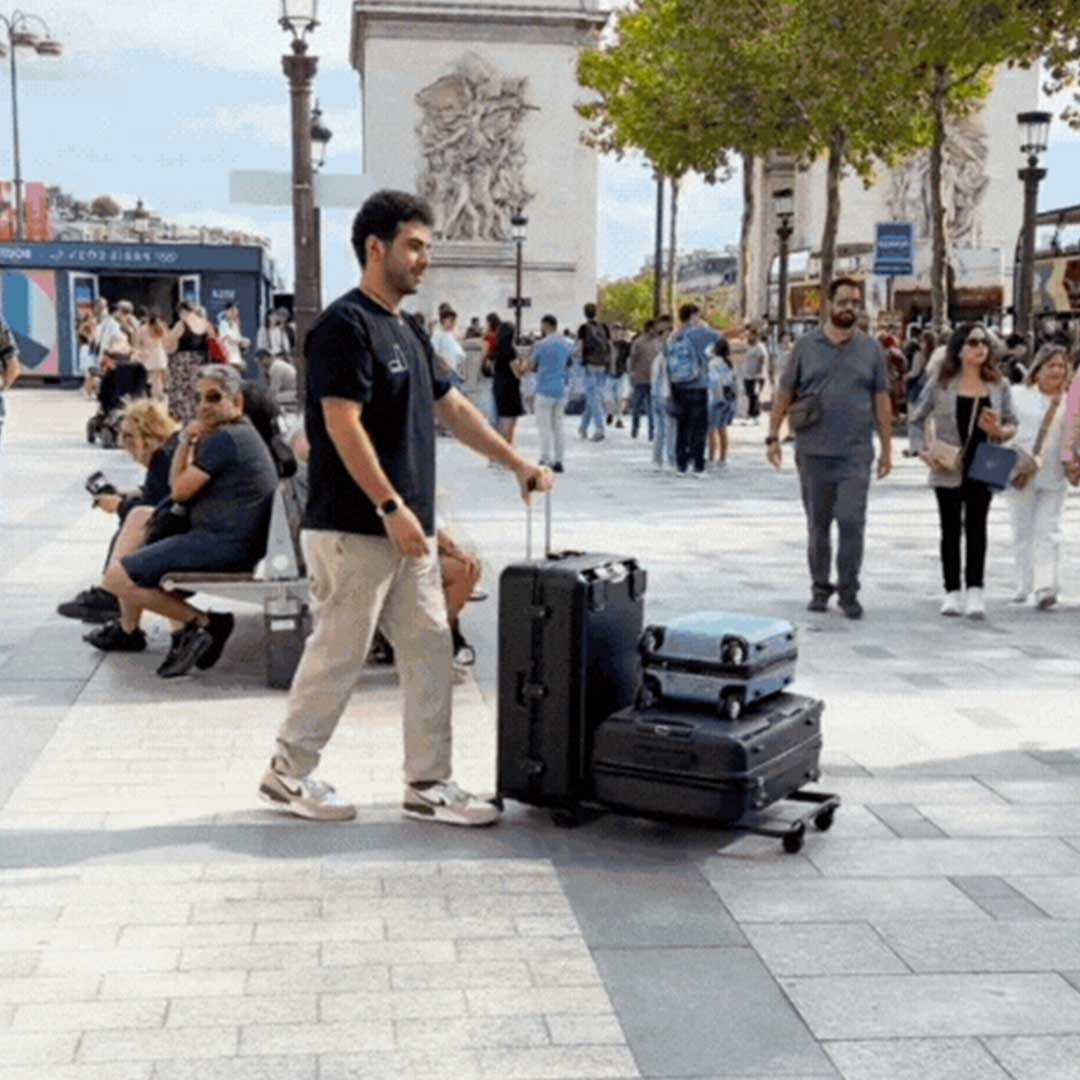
x=361, y=352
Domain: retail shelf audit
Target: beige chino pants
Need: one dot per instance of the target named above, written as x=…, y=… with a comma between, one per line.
x=358, y=583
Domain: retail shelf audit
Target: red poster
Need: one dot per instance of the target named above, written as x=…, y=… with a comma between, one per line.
x=7, y=211
x=36, y=214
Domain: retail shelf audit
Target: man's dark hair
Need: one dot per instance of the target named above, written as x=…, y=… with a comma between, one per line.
x=650, y=324
x=590, y=311
x=550, y=320
x=446, y=313
x=1015, y=339
x=383, y=214
x=664, y=317
x=843, y=282
x=722, y=348
x=687, y=312
x=493, y=321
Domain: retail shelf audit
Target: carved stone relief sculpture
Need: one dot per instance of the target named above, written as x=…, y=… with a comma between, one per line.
x=964, y=182
x=472, y=150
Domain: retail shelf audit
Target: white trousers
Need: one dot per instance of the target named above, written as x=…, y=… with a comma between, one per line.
x=1036, y=529
x=549, y=422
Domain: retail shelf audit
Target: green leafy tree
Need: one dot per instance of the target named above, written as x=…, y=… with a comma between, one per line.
x=105, y=207
x=628, y=301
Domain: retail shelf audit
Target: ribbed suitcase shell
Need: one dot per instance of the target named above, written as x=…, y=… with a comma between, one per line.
x=568, y=630
x=668, y=762
x=684, y=659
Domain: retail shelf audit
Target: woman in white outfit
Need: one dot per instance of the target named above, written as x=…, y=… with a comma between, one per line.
x=1036, y=508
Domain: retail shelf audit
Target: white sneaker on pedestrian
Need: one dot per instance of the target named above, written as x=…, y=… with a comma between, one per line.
x=975, y=608
x=443, y=800
x=305, y=797
x=698, y=474
x=952, y=604
x=1019, y=597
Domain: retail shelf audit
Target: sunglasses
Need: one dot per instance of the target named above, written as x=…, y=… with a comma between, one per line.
x=977, y=341
x=211, y=397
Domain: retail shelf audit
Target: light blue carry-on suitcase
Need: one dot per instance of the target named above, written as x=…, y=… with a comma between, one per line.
x=717, y=658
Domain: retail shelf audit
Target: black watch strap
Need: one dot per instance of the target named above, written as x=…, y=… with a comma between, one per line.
x=389, y=507
x=770, y=439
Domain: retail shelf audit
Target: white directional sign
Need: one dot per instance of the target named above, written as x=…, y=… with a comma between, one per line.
x=342, y=191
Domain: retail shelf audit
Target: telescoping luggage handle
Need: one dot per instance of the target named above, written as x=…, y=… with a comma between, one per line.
x=529, y=524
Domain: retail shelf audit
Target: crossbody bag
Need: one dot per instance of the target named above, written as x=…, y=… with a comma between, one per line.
x=1028, y=465
x=805, y=411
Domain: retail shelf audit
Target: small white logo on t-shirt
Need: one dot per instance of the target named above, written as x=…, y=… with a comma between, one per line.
x=396, y=365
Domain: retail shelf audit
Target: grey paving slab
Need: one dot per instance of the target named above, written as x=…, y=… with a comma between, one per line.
x=1048, y=792
x=823, y=949
x=940, y=791
x=848, y=900
x=990, y=821
x=998, y=898
x=905, y=820
x=944, y=858
x=915, y=1059
x=638, y=907
x=684, y=1011
x=1038, y=1058
x=921, y=1006
x=1016, y=945
x=1059, y=897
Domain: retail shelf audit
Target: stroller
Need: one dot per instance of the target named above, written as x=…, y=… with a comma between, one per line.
x=122, y=381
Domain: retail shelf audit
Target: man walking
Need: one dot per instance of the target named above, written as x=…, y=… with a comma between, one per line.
x=688, y=374
x=642, y=353
x=551, y=362
x=374, y=390
x=596, y=358
x=837, y=389
x=753, y=371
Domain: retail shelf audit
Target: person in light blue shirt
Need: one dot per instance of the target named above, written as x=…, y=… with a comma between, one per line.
x=691, y=396
x=551, y=362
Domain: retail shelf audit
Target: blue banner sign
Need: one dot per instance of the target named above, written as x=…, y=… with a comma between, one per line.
x=894, y=249
x=132, y=258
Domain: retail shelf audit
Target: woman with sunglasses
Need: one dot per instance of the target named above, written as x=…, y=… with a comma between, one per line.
x=1036, y=506
x=967, y=404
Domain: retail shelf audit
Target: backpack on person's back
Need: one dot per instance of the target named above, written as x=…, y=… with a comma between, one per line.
x=684, y=363
x=595, y=350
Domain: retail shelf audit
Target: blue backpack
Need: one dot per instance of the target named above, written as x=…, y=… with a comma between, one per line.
x=683, y=362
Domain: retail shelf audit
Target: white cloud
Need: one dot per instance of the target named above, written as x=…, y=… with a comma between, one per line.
x=224, y=35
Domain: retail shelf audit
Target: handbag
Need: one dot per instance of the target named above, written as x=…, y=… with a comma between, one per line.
x=216, y=351
x=805, y=411
x=944, y=456
x=992, y=465
x=1028, y=465
x=168, y=519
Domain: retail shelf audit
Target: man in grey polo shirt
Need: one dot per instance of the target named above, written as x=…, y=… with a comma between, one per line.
x=845, y=369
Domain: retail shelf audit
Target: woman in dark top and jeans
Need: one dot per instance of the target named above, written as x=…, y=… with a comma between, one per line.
x=967, y=404
x=506, y=382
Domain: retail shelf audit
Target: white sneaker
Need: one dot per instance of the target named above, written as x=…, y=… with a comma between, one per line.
x=306, y=797
x=698, y=474
x=444, y=801
x=1019, y=597
x=952, y=604
x=975, y=608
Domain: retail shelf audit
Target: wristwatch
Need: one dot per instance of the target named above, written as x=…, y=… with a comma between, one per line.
x=770, y=439
x=384, y=510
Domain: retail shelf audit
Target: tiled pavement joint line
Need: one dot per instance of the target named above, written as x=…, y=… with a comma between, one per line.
x=904, y=820
x=877, y=933
x=984, y=1042
x=998, y=898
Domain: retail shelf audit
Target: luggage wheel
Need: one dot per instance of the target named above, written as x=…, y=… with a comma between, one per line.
x=730, y=705
x=793, y=841
x=792, y=834
x=649, y=693
x=572, y=817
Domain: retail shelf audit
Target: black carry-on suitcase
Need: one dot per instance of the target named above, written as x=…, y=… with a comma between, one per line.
x=678, y=763
x=568, y=629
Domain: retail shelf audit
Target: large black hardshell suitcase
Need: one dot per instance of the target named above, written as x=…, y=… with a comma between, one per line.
x=667, y=762
x=568, y=630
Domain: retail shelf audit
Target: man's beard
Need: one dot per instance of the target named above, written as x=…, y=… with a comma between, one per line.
x=849, y=318
x=402, y=281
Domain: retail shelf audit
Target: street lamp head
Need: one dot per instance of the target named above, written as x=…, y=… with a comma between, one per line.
x=299, y=17
x=140, y=218
x=50, y=47
x=26, y=39
x=1034, y=132
x=518, y=224
x=320, y=137
x=784, y=204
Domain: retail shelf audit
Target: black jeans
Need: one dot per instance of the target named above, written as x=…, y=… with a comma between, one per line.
x=692, y=427
x=963, y=509
x=641, y=402
x=753, y=404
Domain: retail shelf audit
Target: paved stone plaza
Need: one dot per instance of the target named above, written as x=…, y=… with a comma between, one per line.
x=157, y=922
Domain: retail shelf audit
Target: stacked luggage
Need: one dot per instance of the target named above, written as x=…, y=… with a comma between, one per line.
x=687, y=720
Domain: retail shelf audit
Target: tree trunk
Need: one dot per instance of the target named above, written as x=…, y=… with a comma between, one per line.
x=832, y=211
x=745, y=256
x=939, y=290
x=673, y=237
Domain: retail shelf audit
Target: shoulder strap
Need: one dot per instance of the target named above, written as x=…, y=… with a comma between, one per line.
x=1048, y=419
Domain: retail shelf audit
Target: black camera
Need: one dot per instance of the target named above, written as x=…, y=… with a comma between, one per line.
x=96, y=485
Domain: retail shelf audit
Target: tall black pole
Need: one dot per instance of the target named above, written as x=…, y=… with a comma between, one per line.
x=784, y=234
x=300, y=70
x=658, y=252
x=1031, y=176
x=15, y=137
x=518, y=244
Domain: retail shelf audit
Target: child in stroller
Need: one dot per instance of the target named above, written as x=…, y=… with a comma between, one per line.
x=122, y=380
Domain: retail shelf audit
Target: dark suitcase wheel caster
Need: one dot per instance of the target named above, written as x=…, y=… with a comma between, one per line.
x=567, y=819
x=730, y=706
x=499, y=803
x=823, y=822
x=793, y=841
x=648, y=694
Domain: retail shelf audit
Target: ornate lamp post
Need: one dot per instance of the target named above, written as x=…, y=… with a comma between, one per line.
x=518, y=224
x=21, y=35
x=784, y=206
x=299, y=18
x=140, y=221
x=1034, y=135
x=658, y=248
x=320, y=139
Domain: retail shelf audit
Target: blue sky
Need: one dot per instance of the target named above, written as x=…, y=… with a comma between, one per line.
x=161, y=101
